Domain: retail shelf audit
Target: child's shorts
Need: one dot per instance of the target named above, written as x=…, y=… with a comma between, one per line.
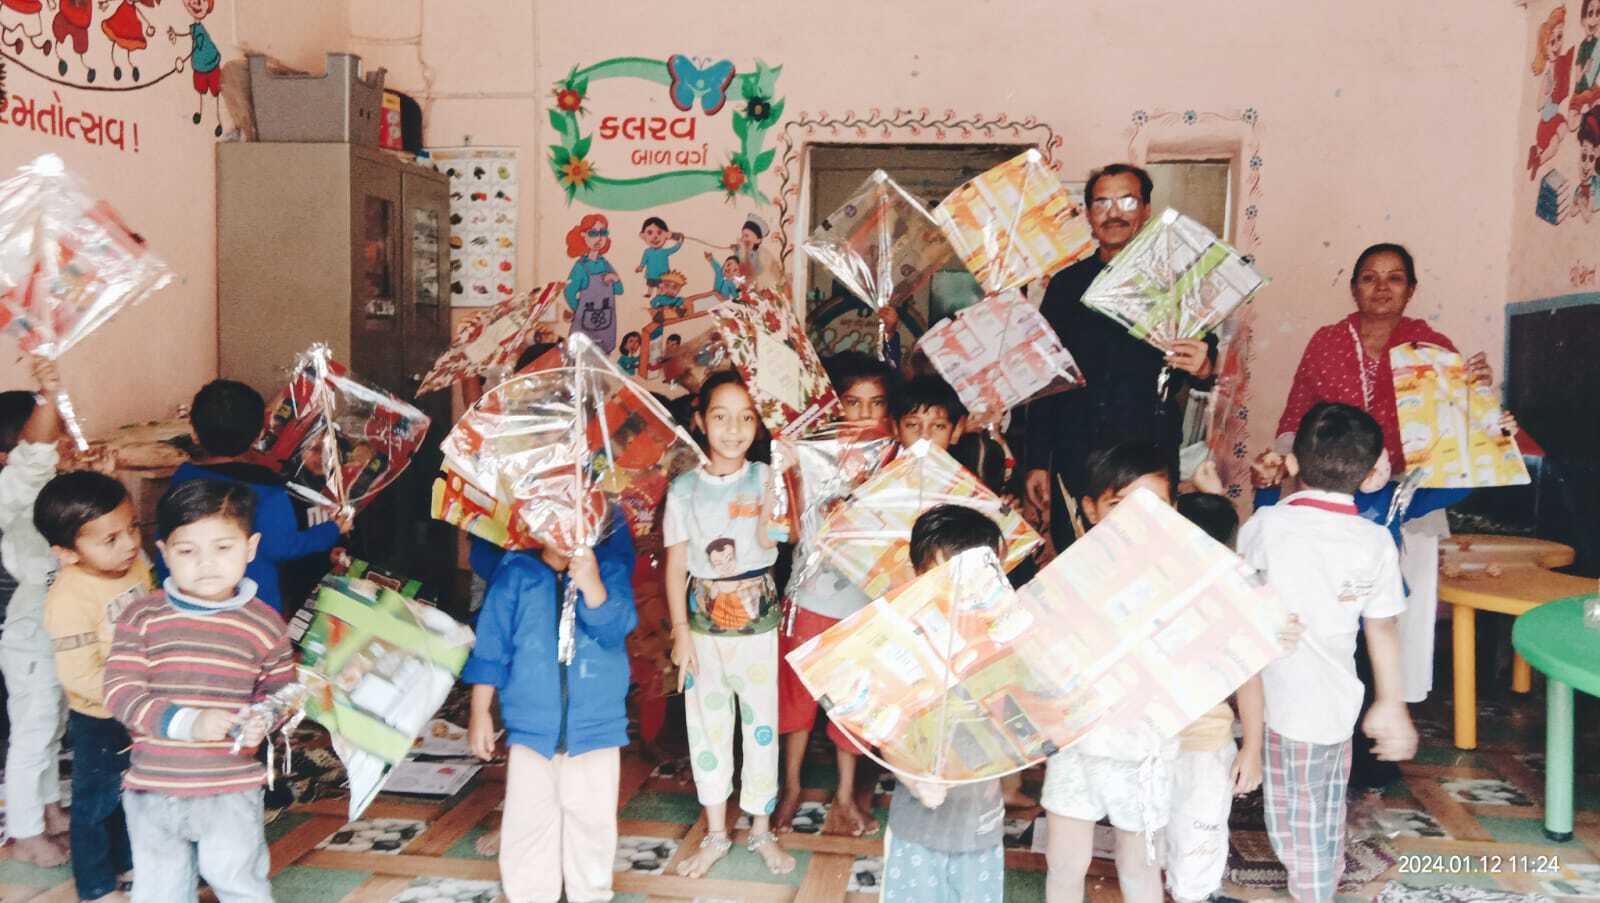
x=913, y=873
x=1135, y=795
x=1197, y=832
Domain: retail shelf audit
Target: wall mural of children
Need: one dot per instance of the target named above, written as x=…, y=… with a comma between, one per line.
x=1586, y=90
x=667, y=306
x=628, y=355
x=23, y=19
x=128, y=29
x=1554, y=67
x=657, y=259
x=72, y=24
x=1586, y=197
x=204, y=58
x=726, y=276
x=593, y=285
x=761, y=269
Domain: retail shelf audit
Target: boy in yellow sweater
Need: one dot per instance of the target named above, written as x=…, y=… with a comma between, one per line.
x=88, y=519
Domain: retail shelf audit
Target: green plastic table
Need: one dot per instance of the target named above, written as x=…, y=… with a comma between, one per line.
x=1554, y=640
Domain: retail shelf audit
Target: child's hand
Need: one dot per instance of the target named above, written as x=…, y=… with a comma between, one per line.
x=46, y=376
x=214, y=724
x=927, y=793
x=480, y=736
x=252, y=728
x=1267, y=470
x=1478, y=369
x=1394, y=736
x=709, y=257
x=346, y=519
x=584, y=573
x=1207, y=479
x=1246, y=770
x=639, y=269
x=1289, y=636
x=1508, y=424
x=683, y=654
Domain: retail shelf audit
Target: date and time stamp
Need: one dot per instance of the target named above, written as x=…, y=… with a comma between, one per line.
x=1478, y=864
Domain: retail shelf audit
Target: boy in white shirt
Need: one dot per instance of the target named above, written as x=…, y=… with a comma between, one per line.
x=1334, y=569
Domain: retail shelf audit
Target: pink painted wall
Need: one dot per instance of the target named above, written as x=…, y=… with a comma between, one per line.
x=153, y=357
x=1549, y=259
x=1369, y=125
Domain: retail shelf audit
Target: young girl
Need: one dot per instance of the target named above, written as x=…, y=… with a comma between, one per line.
x=724, y=609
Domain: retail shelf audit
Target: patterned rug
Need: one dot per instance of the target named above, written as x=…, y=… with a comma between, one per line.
x=1251, y=862
x=1395, y=892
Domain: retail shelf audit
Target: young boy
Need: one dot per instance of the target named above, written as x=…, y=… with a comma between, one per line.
x=945, y=843
x=185, y=665
x=1335, y=570
x=34, y=701
x=88, y=519
x=227, y=418
x=825, y=599
x=567, y=723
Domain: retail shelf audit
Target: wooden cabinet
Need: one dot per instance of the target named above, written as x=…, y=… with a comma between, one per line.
x=348, y=246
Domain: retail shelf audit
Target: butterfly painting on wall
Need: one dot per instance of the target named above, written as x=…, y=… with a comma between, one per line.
x=693, y=82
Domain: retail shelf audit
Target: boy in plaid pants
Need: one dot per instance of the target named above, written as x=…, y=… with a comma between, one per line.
x=1335, y=569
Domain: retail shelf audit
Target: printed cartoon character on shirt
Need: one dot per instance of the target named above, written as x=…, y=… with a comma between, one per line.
x=593, y=285
x=730, y=609
x=21, y=19
x=1553, y=67
x=128, y=29
x=71, y=25
x=204, y=58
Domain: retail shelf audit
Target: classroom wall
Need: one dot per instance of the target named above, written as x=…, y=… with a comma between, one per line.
x=1348, y=124
x=1555, y=196
x=156, y=167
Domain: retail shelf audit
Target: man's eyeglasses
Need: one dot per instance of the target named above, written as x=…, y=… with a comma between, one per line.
x=1127, y=203
x=598, y=233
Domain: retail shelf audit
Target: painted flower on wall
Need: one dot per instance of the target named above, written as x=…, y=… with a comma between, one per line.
x=732, y=178
x=569, y=100
x=759, y=110
x=1140, y=117
x=1189, y=117
x=1255, y=161
x=1250, y=116
x=576, y=173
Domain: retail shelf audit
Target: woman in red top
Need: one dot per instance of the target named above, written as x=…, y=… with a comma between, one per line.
x=1348, y=361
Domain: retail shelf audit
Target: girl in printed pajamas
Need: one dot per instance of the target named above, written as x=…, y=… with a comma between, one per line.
x=724, y=608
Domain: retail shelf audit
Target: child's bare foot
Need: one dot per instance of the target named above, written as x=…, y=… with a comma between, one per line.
x=788, y=805
x=765, y=845
x=39, y=850
x=712, y=848
x=488, y=844
x=851, y=820
x=56, y=820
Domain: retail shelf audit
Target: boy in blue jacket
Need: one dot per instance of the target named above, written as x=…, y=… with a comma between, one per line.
x=227, y=418
x=566, y=724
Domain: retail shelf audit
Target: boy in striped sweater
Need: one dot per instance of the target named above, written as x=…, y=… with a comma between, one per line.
x=185, y=664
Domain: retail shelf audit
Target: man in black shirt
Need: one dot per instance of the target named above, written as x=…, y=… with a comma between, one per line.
x=1119, y=401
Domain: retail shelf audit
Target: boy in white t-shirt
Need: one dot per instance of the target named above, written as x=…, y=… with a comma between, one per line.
x=1335, y=570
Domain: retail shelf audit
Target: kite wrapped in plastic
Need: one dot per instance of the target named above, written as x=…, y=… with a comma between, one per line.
x=375, y=666
x=1124, y=639
x=868, y=539
x=1175, y=280
x=1015, y=224
x=489, y=342
x=337, y=440
x=696, y=359
x=1449, y=425
x=881, y=244
x=67, y=265
x=999, y=353
x=564, y=454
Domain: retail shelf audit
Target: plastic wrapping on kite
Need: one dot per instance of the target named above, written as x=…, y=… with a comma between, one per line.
x=868, y=538
x=376, y=666
x=1014, y=224
x=489, y=342
x=1127, y=637
x=338, y=441
x=881, y=244
x=67, y=264
x=1175, y=280
x=696, y=359
x=538, y=443
x=1449, y=424
x=999, y=353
